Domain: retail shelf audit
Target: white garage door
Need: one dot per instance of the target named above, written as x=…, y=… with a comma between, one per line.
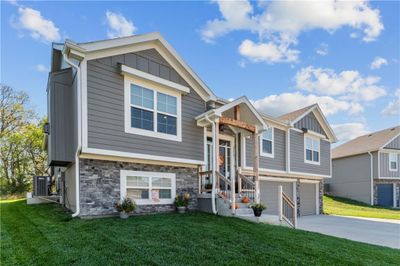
x=307, y=199
x=269, y=194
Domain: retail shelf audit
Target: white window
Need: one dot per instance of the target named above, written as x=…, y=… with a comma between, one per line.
x=393, y=161
x=152, y=112
x=148, y=187
x=267, y=143
x=311, y=150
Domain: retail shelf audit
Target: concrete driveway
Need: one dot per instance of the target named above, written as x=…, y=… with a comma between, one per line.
x=373, y=231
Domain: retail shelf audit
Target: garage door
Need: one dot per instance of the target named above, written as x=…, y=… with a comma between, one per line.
x=385, y=195
x=269, y=191
x=307, y=199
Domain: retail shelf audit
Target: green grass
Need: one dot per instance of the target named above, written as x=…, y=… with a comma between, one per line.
x=44, y=234
x=347, y=207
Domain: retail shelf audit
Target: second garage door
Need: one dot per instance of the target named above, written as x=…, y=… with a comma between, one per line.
x=308, y=199
x=269, y=191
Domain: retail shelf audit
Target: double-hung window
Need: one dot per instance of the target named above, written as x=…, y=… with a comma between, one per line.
x=312, y=150
x=393, y=161
x=148, y=187
x=152, y=112
x=267, y=143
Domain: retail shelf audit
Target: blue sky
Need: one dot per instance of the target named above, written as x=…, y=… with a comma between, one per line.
x=282, y=56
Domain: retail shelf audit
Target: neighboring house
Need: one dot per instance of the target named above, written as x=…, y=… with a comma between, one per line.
x=128, y=117
x=367, y=168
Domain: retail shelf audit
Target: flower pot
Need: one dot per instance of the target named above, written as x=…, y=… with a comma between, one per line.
x=123, y=215
x=181, y=209
x=257, y=212
x=245, y=200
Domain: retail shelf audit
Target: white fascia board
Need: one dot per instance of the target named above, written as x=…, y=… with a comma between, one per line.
x=140, y=156
x=125, y=70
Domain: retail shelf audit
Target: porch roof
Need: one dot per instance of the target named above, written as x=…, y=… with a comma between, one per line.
x=250, y=112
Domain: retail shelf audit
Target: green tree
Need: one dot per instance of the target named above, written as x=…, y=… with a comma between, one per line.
x=21, y=135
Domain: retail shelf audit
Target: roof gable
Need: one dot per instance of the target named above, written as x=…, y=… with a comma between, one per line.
x=367, y=143
x=138, y=44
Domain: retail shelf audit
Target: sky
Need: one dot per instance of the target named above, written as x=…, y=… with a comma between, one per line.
x=282, y=55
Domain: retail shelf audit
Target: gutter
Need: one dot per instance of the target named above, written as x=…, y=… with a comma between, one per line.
x=214, y=166
x=372, y=177
x=78, y=150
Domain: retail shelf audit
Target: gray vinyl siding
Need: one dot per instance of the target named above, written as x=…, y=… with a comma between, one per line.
x=394, y=144
x=279, y=160
x=351, y=178
x=310, y=122
x=375, y=160
x=297, y=163
x=106, y=109
x=62, y=117
x=384, y=166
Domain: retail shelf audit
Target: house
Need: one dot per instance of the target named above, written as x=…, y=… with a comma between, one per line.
x=366, y=168
x=129, y=118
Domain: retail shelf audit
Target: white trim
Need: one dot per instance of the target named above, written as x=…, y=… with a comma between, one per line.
x=378, y=154
x=390, y=162
x=99, y=49
x=277, y=179
x=311, y=132
x=288, y=151
x=371, y=177
x=205, y=148
x=298, y=174
x=123, y=187
x=263, y=154
x=317, y=198
x=84, y=110
x=137, y=73
x=141, y=156
x=313, y=138
x=309, y=181
x=387, y=143
x=148, y=133
x=394, y=195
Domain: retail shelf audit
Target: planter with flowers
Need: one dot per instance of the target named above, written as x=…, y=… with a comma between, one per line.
x=125, y=207
x=258, y=209
x=182, y=202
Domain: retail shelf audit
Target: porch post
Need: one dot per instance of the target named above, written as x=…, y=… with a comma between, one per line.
x=216, y=152
x=256, y=163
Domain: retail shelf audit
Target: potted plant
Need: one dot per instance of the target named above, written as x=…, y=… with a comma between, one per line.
x=182, y=202
x=258, y=209
x=208, y=186
x=125, y=207
x=245, y=199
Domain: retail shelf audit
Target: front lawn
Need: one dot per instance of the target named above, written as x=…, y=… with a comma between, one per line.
x=45, y=235
x=347, y=207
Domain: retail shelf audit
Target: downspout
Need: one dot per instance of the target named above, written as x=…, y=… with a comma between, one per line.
x=78, y=150
x=214, y=166
x=372, y=177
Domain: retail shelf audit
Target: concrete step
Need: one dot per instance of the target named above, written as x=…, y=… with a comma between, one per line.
x=244, y=211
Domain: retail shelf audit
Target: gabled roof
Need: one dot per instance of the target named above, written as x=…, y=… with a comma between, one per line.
x=213, y=113
x=293, y=117
x=367, y=143
x=103, y=48
x=295, y=114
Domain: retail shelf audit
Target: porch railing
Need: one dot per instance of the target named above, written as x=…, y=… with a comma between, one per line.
x=287, y=209
x=224, y=186
x=205, y=181
x=246, y=186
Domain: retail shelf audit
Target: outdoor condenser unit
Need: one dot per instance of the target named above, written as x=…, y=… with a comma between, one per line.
x=41, y=185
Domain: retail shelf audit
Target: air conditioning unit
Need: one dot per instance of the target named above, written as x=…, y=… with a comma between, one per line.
x=41, y=185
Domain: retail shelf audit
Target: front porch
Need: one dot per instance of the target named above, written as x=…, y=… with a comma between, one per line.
x=224, y=183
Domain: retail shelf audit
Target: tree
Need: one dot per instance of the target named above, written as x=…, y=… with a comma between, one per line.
x=21, y=153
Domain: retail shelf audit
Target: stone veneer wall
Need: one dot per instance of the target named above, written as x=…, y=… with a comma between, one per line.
x=395, y=182
x=100, y=186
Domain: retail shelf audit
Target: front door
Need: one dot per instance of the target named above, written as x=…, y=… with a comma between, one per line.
x=225, y=160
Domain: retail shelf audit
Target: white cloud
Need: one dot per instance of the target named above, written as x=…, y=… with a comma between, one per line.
x=276, y=105
x=12, y=2
x=40, y=28
x=118, y=25
x=378, y=62
x=280, y=20
x=348, y=131
x=268, y=52
x=322, y=49
x=393, y=108
x=349, y=84
x=42, y=68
